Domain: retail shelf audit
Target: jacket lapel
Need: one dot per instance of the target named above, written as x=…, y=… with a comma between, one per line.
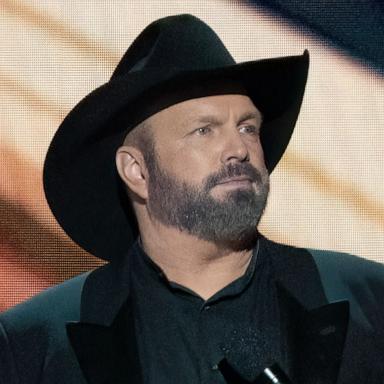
x=315, y=329
x=315, y=337
x=104, y=339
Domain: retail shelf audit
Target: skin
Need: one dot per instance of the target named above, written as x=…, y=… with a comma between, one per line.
x=193, y=139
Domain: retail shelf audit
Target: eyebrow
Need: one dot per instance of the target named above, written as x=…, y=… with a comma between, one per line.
x=251, y=115
x=210, y=119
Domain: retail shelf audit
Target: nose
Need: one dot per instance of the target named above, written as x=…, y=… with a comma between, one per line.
x=234, y=148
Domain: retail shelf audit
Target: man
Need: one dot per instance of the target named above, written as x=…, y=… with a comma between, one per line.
x=164, y=171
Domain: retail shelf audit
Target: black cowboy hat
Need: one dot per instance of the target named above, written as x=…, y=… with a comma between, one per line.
x=174, y=59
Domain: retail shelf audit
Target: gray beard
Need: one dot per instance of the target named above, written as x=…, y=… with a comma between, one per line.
x=230, y=223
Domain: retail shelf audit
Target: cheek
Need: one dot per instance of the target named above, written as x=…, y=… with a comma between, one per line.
x=257, y=155
x=184, y=162
x=190, y=165
x=196, y=165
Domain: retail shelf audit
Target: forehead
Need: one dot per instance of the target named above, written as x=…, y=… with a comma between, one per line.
x=194, y=111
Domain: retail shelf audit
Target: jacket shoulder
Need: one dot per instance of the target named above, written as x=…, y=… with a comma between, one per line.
x=61, y=301
x=341, y=276
x=349, y=268
x=358, y=280
x=33, y=339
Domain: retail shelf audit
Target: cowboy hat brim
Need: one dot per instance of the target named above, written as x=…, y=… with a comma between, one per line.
x=81, y=183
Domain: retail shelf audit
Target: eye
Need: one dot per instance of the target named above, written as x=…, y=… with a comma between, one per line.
x=250, y=129
x=203, y=131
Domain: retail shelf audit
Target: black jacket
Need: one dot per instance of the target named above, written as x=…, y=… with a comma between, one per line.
x=82, y=331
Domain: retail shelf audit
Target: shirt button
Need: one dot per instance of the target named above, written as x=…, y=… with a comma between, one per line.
x=207, y=307
x=215, y=367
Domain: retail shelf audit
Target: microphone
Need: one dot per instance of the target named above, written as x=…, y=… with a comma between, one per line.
x=270, y=375
x=273, y=375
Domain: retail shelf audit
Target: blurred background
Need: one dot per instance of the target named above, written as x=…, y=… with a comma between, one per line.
x=327, y=192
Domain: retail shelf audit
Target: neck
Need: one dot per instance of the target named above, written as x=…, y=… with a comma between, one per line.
x=199, y=265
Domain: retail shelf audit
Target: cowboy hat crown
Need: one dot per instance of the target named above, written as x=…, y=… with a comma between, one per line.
x=175, y=43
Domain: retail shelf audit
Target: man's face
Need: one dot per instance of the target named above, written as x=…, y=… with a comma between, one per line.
x=207, y=174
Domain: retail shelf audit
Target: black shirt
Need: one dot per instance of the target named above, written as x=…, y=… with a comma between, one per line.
x=182, y=337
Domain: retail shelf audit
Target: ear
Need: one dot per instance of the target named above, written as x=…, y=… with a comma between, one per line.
x=130, y=166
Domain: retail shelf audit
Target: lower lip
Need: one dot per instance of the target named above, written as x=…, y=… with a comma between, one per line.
x=237, y=184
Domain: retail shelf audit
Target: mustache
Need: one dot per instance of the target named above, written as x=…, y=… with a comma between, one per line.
x=232, y=170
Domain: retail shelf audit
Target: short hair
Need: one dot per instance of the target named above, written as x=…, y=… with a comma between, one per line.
x=141, y=137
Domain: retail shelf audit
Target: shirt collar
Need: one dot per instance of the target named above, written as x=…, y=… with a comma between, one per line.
x=148, y=267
